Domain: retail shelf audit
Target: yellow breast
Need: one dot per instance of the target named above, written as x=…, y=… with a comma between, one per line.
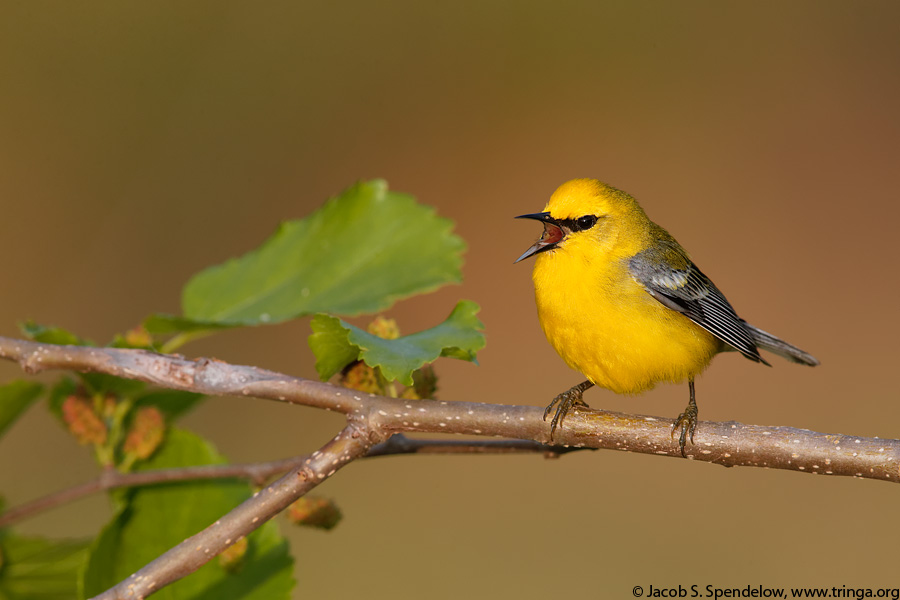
x=606, y=326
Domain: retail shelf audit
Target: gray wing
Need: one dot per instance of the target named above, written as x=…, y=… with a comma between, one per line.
x=687, y=290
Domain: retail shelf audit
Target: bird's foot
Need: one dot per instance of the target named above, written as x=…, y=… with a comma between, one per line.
x=565, y=402
x=687, y=421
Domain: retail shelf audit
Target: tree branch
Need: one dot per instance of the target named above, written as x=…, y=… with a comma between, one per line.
x=197, y=550
x=725, y=443
x=372, y=420
x=258, y=473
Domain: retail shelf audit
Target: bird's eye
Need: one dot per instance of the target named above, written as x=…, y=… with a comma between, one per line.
x=586, y=222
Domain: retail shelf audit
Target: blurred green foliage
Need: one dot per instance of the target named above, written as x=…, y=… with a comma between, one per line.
x=362, y=251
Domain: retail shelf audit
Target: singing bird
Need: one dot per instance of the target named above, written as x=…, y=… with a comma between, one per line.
x=622, y=303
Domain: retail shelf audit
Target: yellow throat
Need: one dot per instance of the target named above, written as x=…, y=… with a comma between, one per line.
x=596, y=315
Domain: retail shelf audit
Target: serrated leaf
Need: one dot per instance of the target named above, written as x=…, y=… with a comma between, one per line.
x=15, y=397
x=362, y=251
x=337, y=343
x=330, y=342
x=35, y=568
x=153, y=519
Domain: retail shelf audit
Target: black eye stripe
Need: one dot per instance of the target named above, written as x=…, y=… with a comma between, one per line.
x=579, y=224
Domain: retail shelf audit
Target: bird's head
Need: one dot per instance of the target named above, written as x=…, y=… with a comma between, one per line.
x=586, y=210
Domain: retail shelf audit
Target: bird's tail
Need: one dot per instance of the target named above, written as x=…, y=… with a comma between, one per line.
x=769, y=342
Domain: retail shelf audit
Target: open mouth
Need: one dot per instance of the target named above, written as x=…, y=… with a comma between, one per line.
x=553, y=234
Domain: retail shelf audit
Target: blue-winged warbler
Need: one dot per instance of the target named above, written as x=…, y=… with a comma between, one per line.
x=622, y=303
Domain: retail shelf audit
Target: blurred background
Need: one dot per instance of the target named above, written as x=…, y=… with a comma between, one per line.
x=142, y=142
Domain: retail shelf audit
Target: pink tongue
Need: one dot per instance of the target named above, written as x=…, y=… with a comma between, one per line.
x=552, y=234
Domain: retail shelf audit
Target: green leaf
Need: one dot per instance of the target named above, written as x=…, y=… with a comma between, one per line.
x=172, y=403
x=153, y=519
x=359, y=253
x=51, y=335
x=62, y=389
x=34, y=568
x=162, y=324
x=98, y=383
x=101, y=383
x=330, y=342
x=336, y=344
x=15, y=397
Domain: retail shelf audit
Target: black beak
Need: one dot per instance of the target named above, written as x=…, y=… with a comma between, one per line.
x=553, y=234
x=544, y=217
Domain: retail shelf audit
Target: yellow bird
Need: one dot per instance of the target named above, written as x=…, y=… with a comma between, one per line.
x=622, y=303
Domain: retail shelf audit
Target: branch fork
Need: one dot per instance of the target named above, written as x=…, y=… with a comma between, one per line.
x=373, y=420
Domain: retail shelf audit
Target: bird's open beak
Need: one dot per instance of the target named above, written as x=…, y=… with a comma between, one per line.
x=553, y=234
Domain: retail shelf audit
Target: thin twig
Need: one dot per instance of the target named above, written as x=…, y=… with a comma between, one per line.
x=110, y=479
x=373, y=419
x=197, y=550
x=258, y=473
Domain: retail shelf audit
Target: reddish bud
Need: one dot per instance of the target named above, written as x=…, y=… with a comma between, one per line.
x=314, y=511
x=146, y=432
x=82, y=421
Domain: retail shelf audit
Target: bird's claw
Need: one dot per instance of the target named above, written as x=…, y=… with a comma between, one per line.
x=565, y=402
x=687, y=421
